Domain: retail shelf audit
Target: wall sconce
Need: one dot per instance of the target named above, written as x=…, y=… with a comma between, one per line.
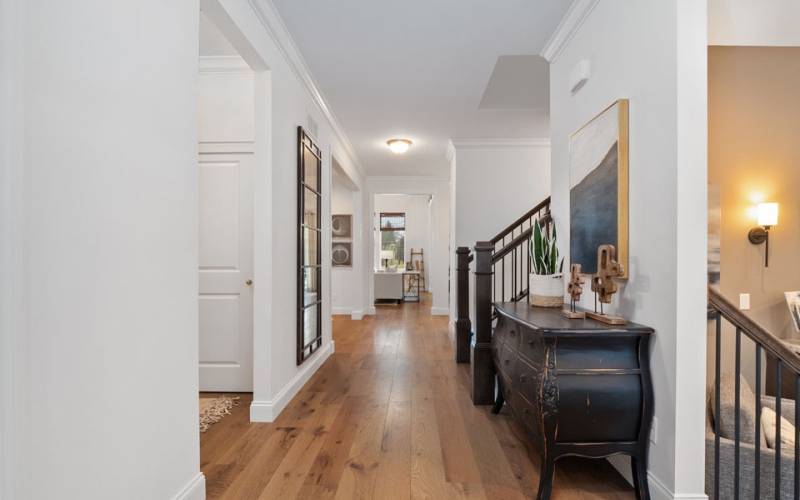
x=767, y=217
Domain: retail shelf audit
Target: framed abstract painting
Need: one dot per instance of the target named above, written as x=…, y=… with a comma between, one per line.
x=598, y=187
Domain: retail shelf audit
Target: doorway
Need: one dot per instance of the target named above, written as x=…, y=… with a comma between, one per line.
x=226, y=136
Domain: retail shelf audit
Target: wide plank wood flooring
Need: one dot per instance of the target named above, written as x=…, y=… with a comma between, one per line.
x=388, y=416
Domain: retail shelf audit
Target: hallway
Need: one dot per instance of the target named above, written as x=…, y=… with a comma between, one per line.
x=388, y=416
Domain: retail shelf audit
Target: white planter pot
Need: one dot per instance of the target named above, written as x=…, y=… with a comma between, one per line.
x=547, y=291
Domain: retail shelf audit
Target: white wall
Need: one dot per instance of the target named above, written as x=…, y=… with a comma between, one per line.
x=107, y=223
x=418, y=224
x=227, y=105
x=437, y=262
x=495, y=182
x=753, y=23
x=292, y=99
x=14, y=359
x=655, y=55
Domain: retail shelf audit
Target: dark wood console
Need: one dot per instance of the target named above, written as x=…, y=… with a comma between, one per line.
x=576, y=386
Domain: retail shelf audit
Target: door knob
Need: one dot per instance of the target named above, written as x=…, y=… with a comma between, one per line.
x=249, y=282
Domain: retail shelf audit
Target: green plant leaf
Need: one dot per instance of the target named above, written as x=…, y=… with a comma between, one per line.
x=538, y=248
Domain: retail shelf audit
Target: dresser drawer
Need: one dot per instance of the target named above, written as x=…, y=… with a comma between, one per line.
x=508, y=330
x=598, y=351
x=530, y=344
x=594, y=408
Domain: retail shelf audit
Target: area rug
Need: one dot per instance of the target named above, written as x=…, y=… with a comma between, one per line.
x=212, y=410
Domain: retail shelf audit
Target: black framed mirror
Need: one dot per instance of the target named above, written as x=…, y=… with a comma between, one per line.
x=309, y=247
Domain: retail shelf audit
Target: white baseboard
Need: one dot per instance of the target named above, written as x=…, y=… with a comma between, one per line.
x=332, y=346
x=371, y=311
x=341, y=310
x=195, y=490
x=357, y=315
x=267, y=411
x=440, y=311
x=657, y=489
x=451, y=327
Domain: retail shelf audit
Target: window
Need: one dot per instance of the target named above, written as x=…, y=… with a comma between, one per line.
x=393, y=237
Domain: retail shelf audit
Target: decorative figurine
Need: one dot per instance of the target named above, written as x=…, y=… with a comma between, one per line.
x=576, y=279
x=603, y=283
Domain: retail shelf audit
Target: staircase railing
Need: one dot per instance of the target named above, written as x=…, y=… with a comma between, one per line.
x=502, y=272
x=751, y=470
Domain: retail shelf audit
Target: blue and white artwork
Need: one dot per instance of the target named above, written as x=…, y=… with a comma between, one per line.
x=599, y=188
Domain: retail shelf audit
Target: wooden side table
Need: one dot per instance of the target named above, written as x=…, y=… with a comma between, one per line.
x=411, y=286
x=577, y=386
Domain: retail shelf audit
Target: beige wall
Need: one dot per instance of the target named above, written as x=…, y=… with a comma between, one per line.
x=754, y=155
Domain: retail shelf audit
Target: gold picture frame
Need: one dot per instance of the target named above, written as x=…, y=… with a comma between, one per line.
x=599, y=204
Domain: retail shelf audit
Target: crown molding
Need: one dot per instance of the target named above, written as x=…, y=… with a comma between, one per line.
x=497, y=144
x=272, y=22
x=223, y=64
x=573, y=20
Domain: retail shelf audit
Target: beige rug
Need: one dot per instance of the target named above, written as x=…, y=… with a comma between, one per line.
x=212, y=410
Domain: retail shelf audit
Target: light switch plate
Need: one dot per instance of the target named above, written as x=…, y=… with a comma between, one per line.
x=744, y=301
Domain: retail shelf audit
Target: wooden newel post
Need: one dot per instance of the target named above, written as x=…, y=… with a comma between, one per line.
x=481, y=380
x=463, y=324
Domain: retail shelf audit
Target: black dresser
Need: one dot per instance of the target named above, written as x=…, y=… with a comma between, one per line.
x=576, y=386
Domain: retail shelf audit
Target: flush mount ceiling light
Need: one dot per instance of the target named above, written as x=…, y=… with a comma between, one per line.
x=399, y=146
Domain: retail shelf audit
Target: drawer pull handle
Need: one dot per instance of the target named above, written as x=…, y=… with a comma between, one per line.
x=512, y=332
x=524, y=411
x=508, y=361
x=508, y=393
x=522, y=378
x=530, y=343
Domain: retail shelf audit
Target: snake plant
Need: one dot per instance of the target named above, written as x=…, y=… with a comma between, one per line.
x=544, y=252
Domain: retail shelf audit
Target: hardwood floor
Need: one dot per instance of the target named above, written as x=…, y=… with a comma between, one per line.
x=388, y=416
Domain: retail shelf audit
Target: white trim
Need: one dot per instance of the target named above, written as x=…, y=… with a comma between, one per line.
x=450, y=153
x=13, y=341
x=499, y=143
x=246, y=147
x=570, y=25
x=440, y=311
x=371, y=311
x=657, y=489
x=357, y=315
x=195, y=490
x=268, y=411
x=269, y=17
x=223, y=64
x=341, y=310
x=451, y=329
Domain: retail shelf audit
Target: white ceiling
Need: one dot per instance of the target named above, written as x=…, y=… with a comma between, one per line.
x=419, y=70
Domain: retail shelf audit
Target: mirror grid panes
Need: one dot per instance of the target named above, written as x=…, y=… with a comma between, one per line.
x=309, y=255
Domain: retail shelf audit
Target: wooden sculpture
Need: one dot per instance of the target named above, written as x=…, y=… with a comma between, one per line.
x=575, y=290
x=603, y=283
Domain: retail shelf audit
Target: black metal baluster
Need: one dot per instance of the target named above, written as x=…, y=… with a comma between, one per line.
x=717, y=409
x=514, y=274
x=503, y=281
x=779, y=385
x=737, y=411
x=757, y=488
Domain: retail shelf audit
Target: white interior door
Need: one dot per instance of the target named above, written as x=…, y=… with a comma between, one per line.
x=226, y=272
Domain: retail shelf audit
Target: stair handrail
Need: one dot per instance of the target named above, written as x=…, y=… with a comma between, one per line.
x=528, y=215
x=752, y=329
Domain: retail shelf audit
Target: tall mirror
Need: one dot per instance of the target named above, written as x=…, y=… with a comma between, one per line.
x=309, y=254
